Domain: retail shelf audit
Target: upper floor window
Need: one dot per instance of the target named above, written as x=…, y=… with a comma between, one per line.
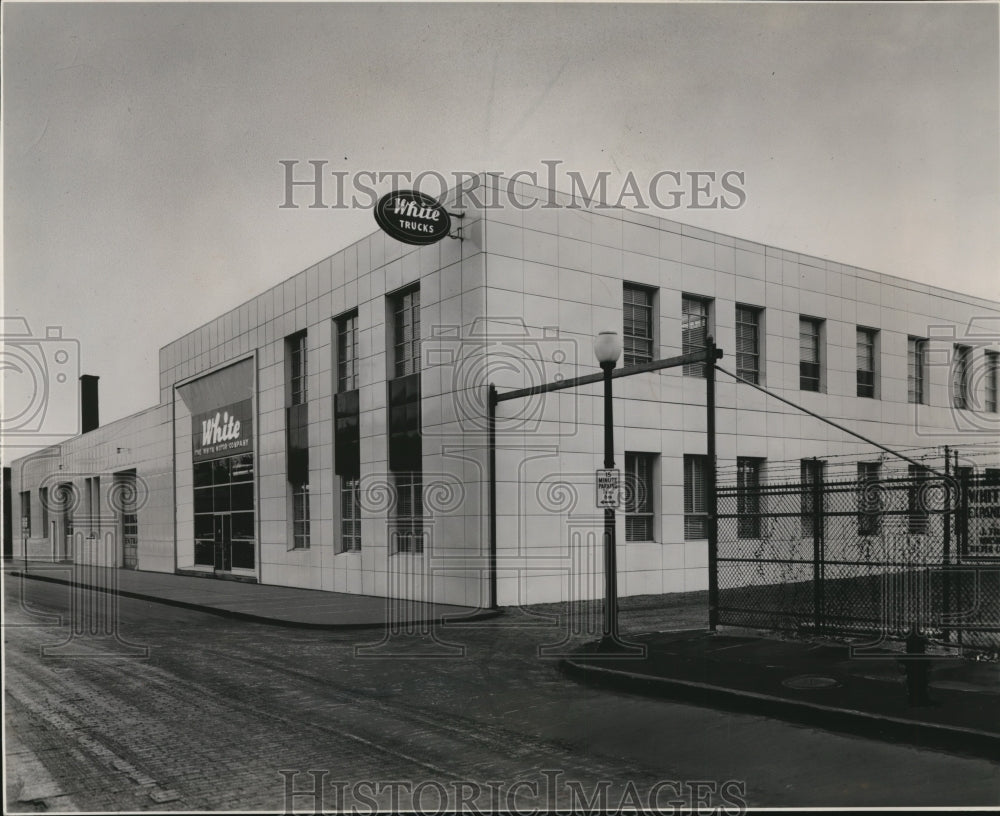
x=406, y=332
x=637, y=331
x=916, y=363
x=810, y=359
x=866, y=361
x=748, y=343
x=347, y=353
x=961, y=363
x=298, y=369
x=694, y=330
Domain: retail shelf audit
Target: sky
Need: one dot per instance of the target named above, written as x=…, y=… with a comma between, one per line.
x=142, y=143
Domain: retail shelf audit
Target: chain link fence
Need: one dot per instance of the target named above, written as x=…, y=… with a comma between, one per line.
x=864, y=555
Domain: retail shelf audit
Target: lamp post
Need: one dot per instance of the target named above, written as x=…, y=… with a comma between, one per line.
x=608, y=349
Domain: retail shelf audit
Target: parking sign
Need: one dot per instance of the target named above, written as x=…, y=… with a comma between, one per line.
x=609, y=488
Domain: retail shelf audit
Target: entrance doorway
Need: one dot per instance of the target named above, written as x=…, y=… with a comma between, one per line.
x=128, y=519
x=224, y=513
x=223, y=542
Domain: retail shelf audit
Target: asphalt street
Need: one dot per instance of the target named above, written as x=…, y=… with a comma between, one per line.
x=182, y=710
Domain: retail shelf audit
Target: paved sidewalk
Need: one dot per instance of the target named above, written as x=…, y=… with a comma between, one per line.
x=263, y=603
x=817, y=683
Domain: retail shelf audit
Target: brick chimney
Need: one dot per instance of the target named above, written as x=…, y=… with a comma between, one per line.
x=88, y=403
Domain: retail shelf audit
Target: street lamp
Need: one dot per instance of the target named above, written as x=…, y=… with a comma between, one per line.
x=608, y=348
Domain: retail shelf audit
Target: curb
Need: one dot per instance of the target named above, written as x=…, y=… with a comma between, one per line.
x=956, y=739
x=485, y=614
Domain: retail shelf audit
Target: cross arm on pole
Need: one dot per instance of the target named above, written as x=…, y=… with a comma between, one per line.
x=653, y=365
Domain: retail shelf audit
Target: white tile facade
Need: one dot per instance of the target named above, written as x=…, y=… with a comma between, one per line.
x=517, y=302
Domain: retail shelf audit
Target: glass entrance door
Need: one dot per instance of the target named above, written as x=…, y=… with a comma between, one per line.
x=224, y=513
x=223, y=542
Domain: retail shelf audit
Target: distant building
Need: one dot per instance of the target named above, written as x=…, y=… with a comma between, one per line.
x=330, y=433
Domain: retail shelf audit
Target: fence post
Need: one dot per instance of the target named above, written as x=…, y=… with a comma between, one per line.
x=713, y=506
x=818, y=601
x=962, y=535
x=946, y=554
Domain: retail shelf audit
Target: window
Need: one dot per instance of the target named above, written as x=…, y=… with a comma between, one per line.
x=866, y=361
x=695, y=498
x=694, y=331
x=811, y=475
x=748, y=472
x=409, y=524
x=639, y=490
x=299, y=371
x=43, y=501
x=26, y=514
x=917, y=514
x=300, y=516
x=960, y=376
x=350, y=514
x=406, y=332
x=92, y=488
x=748, y=343
x=809, y=353
x=992, y=373
x=916, y=357
x=869, y=498
x=638, y=324
x=347, y=353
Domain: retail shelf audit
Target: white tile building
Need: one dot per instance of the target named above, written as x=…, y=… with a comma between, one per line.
x=290, y=499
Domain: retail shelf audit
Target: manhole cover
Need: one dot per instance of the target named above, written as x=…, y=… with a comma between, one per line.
x=809, y=681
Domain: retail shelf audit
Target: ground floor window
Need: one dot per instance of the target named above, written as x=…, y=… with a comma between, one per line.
x=43, y=502
x=408, y=525
x=639, y=491
x=917, y=514
x=869, y=498
x=224, y=527
x=695, y=498
x=350, y=514
x=125, y=503
x=811, y=478
x=26, y=513
x=300, y=516
x=748, y=471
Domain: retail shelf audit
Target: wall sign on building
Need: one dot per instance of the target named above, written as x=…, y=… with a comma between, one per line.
x=226, y=431
x=412, y=217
